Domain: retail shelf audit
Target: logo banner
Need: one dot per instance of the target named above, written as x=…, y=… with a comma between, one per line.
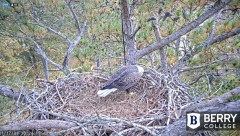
x=213, y=121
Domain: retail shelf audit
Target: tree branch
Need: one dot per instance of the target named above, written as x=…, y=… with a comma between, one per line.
x=211, y=35
x=206, y=44
x=7, y=91
x=44, y=56
x=145, y=128
x=159, y=44
x=73, y=44
x=45, y=68
x=221, y=99
x=204, y=75
x=135, y=31
x=42, y=53
x=51, y=29
x=218, y=38
x=161, y=50
x=38, y=124
x=203, y=65
x=74, y=16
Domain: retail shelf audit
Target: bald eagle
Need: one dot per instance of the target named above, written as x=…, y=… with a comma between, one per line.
x=123, y=79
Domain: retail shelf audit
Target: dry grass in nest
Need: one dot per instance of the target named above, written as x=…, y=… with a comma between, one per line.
x=79, y=94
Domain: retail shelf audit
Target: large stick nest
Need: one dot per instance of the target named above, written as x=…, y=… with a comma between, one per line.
x=152, y=102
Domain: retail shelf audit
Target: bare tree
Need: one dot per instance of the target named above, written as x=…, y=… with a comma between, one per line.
x=71, y=43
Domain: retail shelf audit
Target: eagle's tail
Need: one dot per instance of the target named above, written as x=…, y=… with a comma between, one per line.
x=105, y=92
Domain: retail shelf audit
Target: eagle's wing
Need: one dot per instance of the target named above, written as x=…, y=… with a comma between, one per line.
x=123, y=72
x=126, y=81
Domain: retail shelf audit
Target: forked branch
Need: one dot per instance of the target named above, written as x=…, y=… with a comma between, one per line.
x=51, y=29
x=159, y=44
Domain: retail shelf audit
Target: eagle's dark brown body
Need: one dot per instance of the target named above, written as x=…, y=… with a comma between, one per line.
x=123, y=79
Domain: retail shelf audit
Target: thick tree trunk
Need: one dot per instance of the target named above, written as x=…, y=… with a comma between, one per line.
x=128, y=32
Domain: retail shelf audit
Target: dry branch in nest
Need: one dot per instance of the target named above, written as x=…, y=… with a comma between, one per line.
x=148, y=108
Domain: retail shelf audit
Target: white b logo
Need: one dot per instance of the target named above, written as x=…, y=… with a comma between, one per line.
x=193, y=120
